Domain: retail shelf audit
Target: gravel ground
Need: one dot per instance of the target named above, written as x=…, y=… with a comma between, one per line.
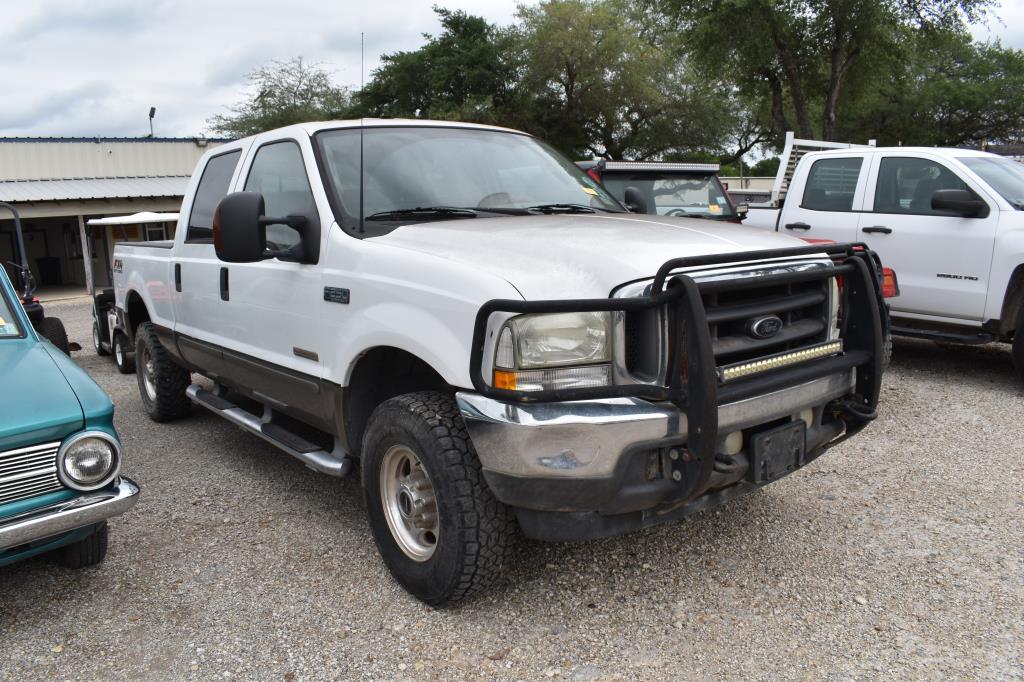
x=899, y=553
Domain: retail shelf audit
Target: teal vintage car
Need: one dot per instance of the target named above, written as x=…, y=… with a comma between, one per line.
x=60, y=457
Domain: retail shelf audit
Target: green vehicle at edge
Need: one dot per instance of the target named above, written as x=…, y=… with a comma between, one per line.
x=60, y=456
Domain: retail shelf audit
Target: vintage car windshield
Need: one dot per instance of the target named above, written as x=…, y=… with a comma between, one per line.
x=9, y=327
x=1003, y=175
x=676, y=194
x=420, y=173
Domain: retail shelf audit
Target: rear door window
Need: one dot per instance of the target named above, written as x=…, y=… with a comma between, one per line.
x=213, y=186
x=831, y=184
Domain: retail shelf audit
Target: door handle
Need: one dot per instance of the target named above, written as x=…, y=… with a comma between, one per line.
x=877, y=229
x=177, y=276
x=224, y=293
x=797, y=226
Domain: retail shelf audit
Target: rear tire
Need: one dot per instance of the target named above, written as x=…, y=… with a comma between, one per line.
x=88, y=551
x=1018, y=351
x=162, y=382
x=419, y=469
x=100, y=350
x=123, y=356
x=53, y=330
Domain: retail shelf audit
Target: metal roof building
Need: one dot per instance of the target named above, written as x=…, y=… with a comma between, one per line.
x=58, y=183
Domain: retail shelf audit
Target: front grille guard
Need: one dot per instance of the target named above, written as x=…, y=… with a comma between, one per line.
x=691, y=363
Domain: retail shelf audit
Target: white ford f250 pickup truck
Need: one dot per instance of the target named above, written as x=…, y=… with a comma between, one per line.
x=493, y=338
x=950, y=222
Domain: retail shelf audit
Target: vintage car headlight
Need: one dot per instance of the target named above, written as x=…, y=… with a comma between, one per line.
x=88, y=460
x=552, y=351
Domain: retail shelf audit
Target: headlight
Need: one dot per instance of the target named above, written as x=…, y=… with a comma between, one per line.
x=554, y=351
x=88, y=460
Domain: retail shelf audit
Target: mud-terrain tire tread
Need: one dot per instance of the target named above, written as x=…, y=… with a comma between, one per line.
x=488, y=528
x=170, y=382
x=53, y=331
x=88, y=551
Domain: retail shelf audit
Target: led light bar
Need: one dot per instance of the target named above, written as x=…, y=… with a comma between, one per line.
x=746, y=369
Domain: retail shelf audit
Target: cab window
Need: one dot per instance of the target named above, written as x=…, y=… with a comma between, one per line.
x=906, y=185
x=213, y=186
x=831, y=184
x=279, y=175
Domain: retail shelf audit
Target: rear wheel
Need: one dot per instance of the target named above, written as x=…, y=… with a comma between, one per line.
x=162, y=382
x=1018, y=351
x=100, y=350
x=88, y=551
x=123, y=357
x=441, y=532
x=53, y=330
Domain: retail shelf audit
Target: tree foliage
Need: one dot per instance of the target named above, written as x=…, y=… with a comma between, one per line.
x=282, y=93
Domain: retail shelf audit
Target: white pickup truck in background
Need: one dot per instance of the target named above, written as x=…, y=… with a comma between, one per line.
x=493, y=338
x=950, y=222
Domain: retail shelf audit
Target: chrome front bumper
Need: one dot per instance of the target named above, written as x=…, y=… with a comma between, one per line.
x=586, y=439
x=63, y=517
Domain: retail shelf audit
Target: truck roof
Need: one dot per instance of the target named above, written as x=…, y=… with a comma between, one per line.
x=316, y=126
x=941, y=151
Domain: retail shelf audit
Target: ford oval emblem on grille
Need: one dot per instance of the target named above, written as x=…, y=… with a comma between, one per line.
x=764, y=327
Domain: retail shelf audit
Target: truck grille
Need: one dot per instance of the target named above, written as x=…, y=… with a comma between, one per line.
x=27, y=472
x=803, y=309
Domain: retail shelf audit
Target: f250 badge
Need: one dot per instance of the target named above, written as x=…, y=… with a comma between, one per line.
x=118, y=265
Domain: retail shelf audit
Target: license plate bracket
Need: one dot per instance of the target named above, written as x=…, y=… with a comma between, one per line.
x=778, y=451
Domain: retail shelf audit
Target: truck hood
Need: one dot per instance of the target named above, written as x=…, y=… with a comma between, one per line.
x=578, y=255
x=36, y=404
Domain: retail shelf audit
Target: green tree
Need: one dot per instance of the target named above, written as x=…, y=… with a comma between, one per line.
x=797, y=57
x=459, y=74
x=282, y=93
x=595, y=77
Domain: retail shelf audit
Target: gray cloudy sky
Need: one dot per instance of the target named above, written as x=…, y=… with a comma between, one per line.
x=94, y=67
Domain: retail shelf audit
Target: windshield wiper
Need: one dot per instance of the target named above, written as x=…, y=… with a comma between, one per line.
x=561, y=208
x=425, y=211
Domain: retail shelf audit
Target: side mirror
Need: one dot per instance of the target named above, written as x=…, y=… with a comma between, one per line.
x=240, y=229
x=959, y=201
x=742, y=210
x=635, y=201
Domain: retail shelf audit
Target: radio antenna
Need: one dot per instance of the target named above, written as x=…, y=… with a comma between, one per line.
x=362, y=84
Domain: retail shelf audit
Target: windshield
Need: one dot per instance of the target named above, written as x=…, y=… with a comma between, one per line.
x=1003, y=175
x=9, y=327
x=415, y=174
x=675, y=194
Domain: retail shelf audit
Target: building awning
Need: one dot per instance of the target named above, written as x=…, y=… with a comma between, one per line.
x=135, y=219
x=96, y=188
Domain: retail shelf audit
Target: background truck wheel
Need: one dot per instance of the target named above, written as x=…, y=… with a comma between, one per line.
x=88, y=551
x=1018, y=351
x=162, y=382
x=53, y=330
x=123, y=357
x=96, y=340
x=437, y=525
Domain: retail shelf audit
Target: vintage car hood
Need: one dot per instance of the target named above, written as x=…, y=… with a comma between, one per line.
x=578, y=255
x=36, y=402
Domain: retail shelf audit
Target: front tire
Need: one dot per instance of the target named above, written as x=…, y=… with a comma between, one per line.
x=88, y=551
x=162, y=382
x=1018, y=351
x=53, y=330
x=438, y=527
x=123, y=354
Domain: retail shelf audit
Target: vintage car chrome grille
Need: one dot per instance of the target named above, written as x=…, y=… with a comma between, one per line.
x=27, y=472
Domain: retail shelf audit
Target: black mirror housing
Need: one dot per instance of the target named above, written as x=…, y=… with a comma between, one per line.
x=959, y=201
x=238, y=235
x=742, y=210
x=634, y=200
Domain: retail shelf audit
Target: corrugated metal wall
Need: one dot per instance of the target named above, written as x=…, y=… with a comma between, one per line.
x=67, y=159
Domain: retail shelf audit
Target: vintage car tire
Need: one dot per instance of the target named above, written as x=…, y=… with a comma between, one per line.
x=1018, y=352
x=123, y=354
x=474, y=532
x=53, y=330
x=88, y=551
x=100, y=350
x=162, y=382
